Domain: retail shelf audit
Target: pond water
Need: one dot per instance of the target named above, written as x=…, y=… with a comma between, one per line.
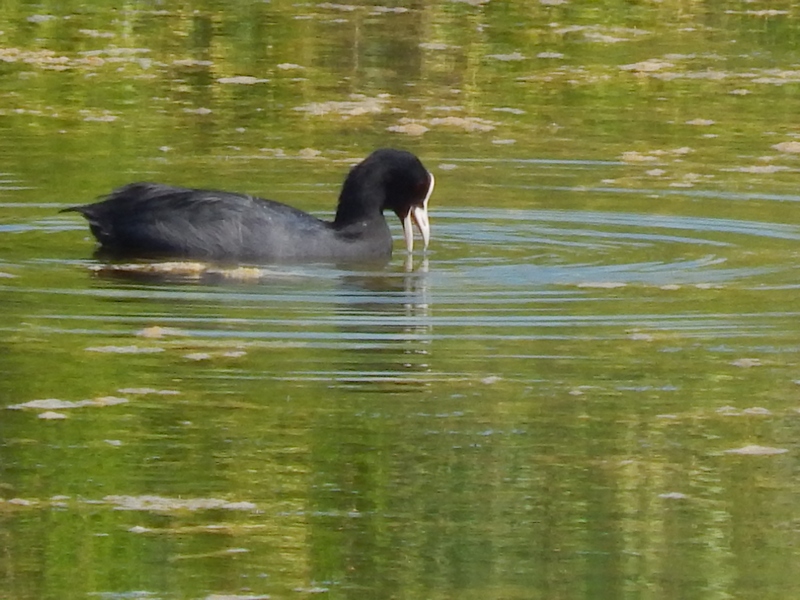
x=588, y=387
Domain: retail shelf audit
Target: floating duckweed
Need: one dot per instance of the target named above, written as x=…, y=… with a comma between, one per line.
x=163, y=504
x=755, y=450
x=788, y=147
x=241, y=80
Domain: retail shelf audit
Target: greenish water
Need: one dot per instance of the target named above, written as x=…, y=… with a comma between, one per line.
x=588, y=388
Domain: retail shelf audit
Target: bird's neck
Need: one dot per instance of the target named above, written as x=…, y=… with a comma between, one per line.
x=358, y=201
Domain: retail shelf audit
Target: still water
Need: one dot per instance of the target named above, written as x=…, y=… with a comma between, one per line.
x=588, y=387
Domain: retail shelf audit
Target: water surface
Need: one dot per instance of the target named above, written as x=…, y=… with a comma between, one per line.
x=588, y=387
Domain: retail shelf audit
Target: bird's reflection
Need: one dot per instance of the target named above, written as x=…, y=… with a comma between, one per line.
x=387, y=315
x=381, y=313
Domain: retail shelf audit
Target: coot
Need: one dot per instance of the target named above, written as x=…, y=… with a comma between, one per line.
x=150, y=219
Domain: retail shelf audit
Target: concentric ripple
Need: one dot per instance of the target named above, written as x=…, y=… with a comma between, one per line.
x=548, y=285
x=539, y=248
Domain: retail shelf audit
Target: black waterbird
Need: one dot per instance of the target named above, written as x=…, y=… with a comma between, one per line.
x=155, y=220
